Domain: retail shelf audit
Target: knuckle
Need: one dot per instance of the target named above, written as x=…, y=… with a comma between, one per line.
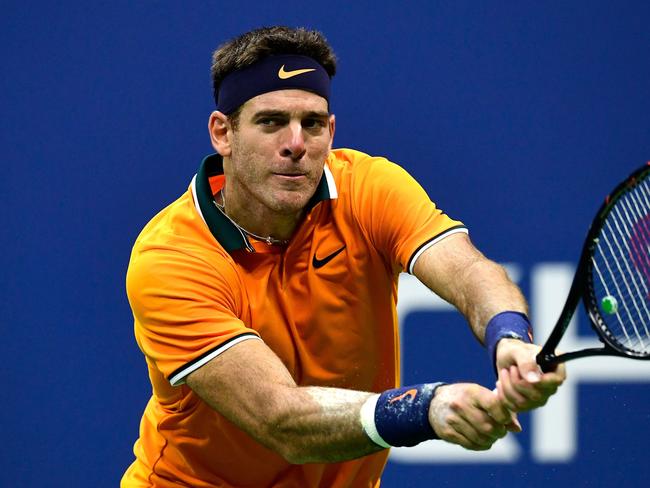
x=453, y=422
x=522, y=403
x=479, y=447
x=447, y=432
x=455, y=406
x=471, y=444
x=487, y=428
x=497, y=431
x=509, y=405
x=535, y=396
x=484, y=445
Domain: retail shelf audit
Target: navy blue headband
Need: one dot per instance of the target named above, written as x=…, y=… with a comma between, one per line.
x=273, y=73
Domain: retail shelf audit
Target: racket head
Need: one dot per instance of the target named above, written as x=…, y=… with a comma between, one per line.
x=617, y=268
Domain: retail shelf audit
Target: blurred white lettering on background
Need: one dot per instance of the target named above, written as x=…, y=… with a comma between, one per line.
x=554, y=431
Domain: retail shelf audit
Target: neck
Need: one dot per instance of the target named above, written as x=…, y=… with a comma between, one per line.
x=273, y=231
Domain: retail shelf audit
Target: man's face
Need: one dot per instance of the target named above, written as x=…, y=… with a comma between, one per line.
x=278, y=151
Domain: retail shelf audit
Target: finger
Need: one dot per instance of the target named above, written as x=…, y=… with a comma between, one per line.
x=551, y=381
x=501, y=391
x=531, y=392
x=555, y=377
x=515, y=400
x=513, y=425
x=454, y=428
x=494, y=407
x=530, y=371
x=509, y=419
x=451, y=435
x=511, y=396
x=498, y=391
x=488, y=417
x=478, y=427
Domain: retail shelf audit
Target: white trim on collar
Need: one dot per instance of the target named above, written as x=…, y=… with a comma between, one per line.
x=331, y=184
x=196, y=200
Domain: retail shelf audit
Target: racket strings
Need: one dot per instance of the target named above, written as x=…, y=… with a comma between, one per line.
x=619, y=291
x=641, y=259
x=634, y=271
x=609, y=293
x=621, y=261
x=636, y=217
x=638, y=252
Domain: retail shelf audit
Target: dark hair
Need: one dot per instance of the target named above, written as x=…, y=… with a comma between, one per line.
x=252, y=46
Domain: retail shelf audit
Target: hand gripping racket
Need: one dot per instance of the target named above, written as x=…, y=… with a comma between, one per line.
x=613, y=277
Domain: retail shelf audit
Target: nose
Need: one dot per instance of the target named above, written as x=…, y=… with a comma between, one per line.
x=294, y=145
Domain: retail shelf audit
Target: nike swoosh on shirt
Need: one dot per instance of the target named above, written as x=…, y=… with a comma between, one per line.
x=319, y=263
x=283, y=75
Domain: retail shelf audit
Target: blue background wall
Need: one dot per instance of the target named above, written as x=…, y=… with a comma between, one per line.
x=517, y=117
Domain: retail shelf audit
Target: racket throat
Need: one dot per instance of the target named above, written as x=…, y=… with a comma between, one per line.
x=548, y=361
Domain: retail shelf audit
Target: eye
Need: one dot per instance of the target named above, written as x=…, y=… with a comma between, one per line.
x=268, y=121
x=314, y=123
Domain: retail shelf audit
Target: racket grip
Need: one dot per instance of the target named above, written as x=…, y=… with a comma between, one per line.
x=546, y=362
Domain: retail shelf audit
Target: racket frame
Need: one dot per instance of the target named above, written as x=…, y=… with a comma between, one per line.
x=582, y=287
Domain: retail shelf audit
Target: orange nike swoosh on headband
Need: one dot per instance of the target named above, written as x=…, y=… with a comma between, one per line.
x=412, y=392
x=283, y=75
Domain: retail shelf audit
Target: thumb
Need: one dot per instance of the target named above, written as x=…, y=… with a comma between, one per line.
x=514, y=425
x=530, y=371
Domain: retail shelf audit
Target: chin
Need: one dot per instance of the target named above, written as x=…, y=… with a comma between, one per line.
x=290, y=204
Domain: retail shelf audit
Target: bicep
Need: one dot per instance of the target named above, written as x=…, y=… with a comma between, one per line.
x=442, y=267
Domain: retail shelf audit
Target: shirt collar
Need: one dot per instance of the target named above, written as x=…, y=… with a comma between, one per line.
x=221, y=227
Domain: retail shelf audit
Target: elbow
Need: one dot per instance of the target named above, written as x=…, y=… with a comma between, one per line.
x=282, y=437
x=294, y=456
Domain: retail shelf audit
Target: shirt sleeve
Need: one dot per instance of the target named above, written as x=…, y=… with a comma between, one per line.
x=396, y=213
x=186, y=312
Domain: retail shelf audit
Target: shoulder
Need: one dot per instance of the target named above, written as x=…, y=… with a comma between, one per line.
x=344, y=159
x=363, y=174
x=179, y=227
x=351, y=168
x=176, y=249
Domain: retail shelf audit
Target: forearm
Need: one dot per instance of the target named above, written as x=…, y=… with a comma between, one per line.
x=320, y=424
x=486, y=290
x=302, y=424
x=479, y=288
x=250, y=386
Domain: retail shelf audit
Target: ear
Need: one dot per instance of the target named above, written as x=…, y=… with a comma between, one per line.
x=332, y=124
x=220, y=133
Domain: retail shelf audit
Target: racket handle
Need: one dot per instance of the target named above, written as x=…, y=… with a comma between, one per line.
x=546, y=362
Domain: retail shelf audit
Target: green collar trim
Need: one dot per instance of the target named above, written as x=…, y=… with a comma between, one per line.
x=222, y=228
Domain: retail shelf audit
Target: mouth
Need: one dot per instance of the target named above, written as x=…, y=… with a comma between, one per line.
x=290, y=176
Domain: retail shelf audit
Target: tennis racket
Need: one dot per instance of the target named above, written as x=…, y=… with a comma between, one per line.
x=613, y=277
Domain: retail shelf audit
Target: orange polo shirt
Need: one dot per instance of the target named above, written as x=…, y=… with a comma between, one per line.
x=325, y=304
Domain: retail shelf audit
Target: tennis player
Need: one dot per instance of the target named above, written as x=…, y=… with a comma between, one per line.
x=265, y=297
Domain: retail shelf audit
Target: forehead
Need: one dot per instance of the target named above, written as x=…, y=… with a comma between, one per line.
x=285, y=101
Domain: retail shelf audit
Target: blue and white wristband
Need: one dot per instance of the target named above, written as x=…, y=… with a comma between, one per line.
x=399, y=417
x=511, y=325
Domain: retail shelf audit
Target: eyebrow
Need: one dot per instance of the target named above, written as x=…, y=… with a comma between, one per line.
x=283, y=113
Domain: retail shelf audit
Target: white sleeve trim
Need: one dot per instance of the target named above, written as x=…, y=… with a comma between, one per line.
x=434, y=241
x=179, y=377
